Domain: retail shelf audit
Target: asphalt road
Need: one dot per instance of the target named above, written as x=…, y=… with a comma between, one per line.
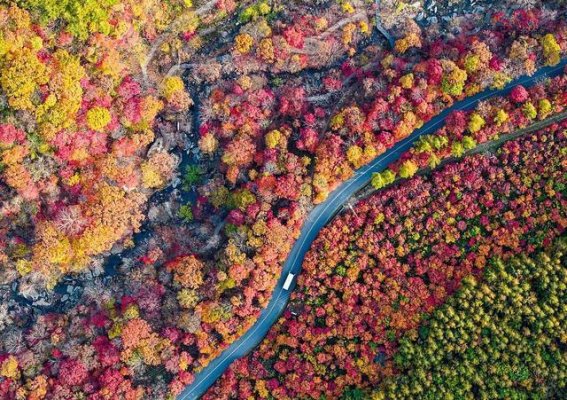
x=318, y=218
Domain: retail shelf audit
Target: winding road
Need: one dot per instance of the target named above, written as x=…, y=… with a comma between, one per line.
x=318, y=218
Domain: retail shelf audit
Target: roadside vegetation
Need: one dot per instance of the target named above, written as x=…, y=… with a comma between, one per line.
x=159, y=158
x=376, y=272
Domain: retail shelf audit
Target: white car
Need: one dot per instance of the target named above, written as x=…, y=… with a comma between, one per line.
x=288, y=281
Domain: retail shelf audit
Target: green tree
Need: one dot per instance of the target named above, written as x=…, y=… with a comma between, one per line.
x=192, y=177
x=185, y=212
x=499, y=337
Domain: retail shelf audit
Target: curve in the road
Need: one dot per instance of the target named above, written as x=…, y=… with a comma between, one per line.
x=318, y=218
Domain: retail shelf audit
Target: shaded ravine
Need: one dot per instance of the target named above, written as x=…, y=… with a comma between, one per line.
x=319, y=217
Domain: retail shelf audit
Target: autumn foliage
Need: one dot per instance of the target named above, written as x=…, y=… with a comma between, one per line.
x=81, y=98
x=465, y=130
x=211, y=129
x=373, y=273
